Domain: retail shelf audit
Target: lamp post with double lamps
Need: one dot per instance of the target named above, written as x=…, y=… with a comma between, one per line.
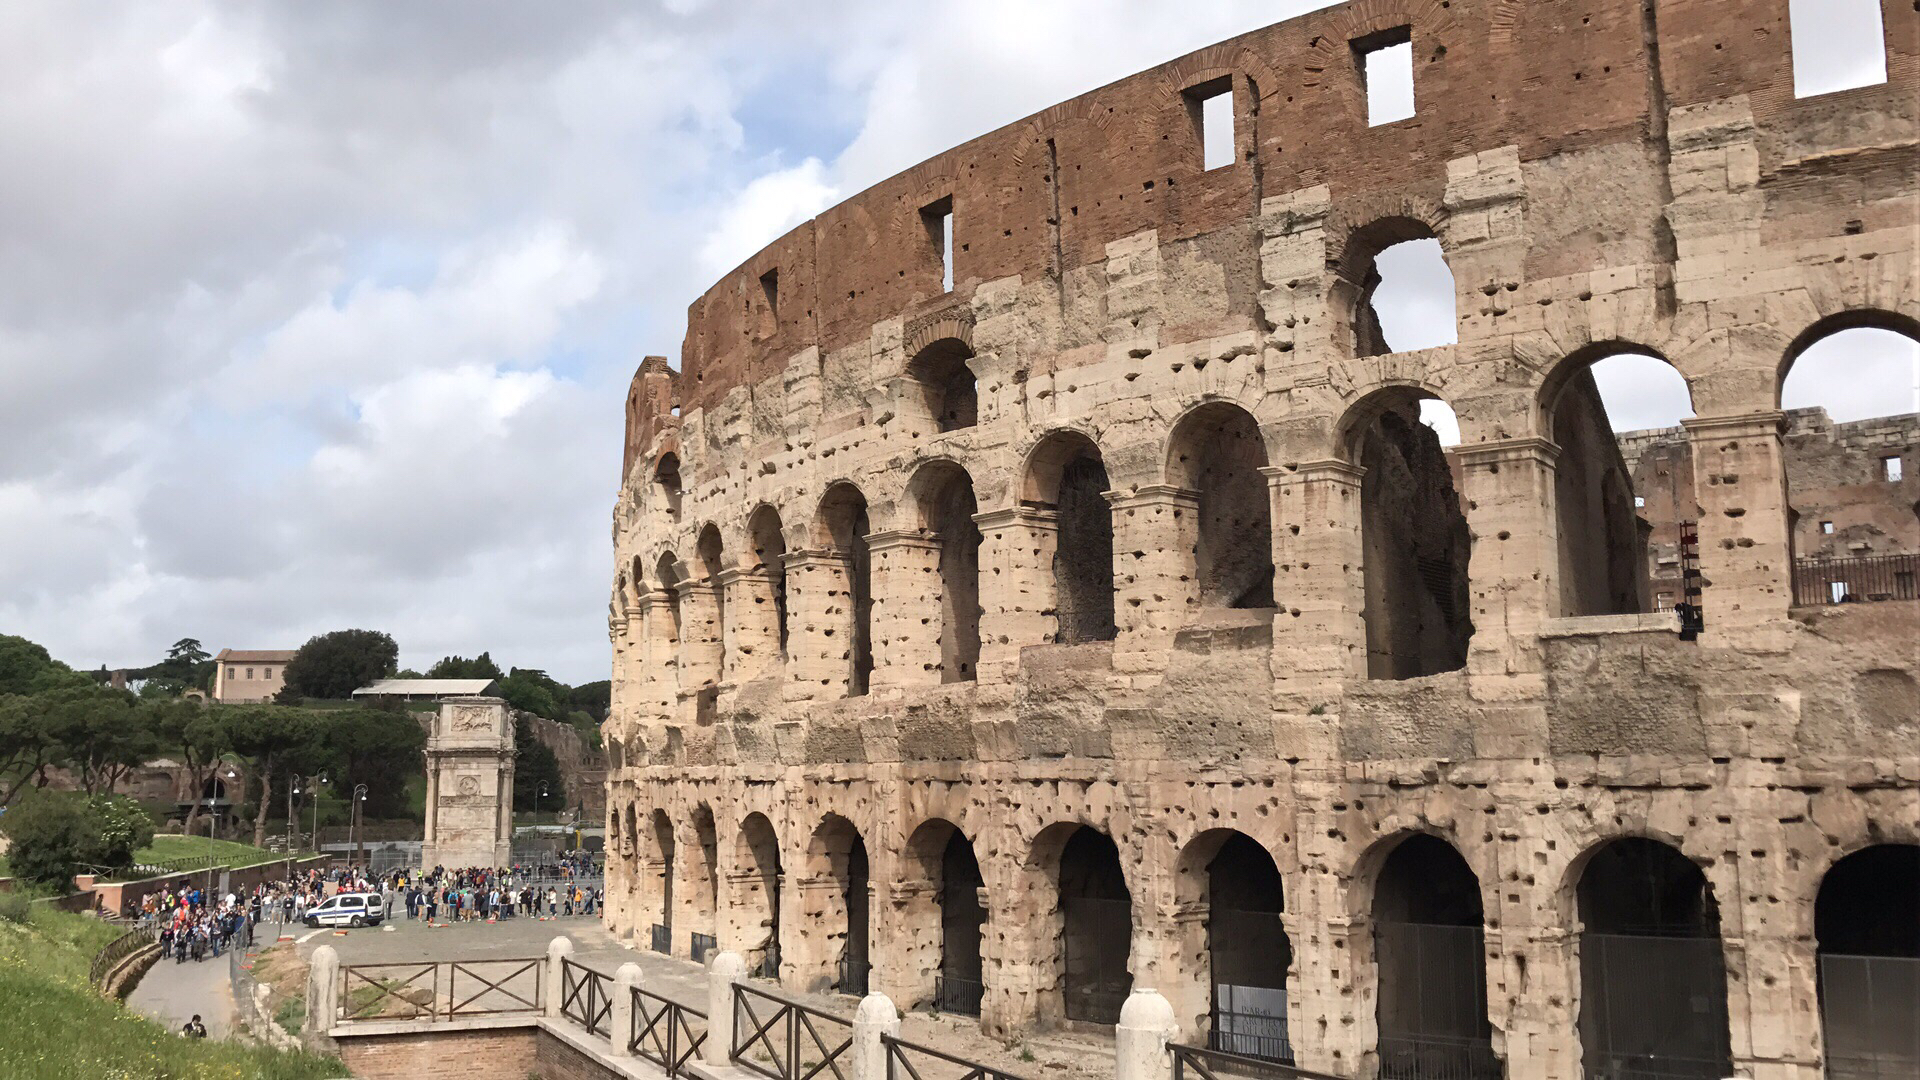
x=213, y=821
x=358, y=822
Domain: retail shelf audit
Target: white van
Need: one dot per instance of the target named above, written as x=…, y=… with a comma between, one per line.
x=347, y=909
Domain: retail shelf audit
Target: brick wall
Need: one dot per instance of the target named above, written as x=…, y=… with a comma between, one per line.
x=452, y=1055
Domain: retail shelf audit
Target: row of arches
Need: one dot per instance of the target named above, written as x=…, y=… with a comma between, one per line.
x=1643, y=928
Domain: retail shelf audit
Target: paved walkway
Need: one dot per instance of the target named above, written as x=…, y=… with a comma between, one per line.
x=171, y=993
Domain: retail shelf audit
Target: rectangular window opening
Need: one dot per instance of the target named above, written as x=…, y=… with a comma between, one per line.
x=1892, y=468
x=938, y=218
x=1837, y=45
x=1639, y=502
x=1386, y=73
x=1836, y=591
x=1826, y=528
x=1210, y=105
x=770, y=286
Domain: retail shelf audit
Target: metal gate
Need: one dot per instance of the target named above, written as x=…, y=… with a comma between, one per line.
x=1096, y=944
x=1653, y=1008
x=1433, y=1003
x=1871, y=1007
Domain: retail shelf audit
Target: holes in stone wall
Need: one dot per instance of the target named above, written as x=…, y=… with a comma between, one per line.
x=1217, y=452
x=1869, y=978
x=947, y=507
x=1385, y=62
x=1430, y=956
x=946, y=380
x=1837, y=45
x=838, y=855
x=708, y=838
x=1210, y=107
x=1067, y=475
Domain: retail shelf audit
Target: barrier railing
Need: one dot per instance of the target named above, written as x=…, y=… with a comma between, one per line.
x=1208, y=1064
x=661, y=938
x=1437, y=1057
x=782, y=1040
x=441, y=990
x=117, y=950
x=701, y=946
x=939, y=1065
x=663, y=1031
x=854, y=976
x=586, y=996
x=1819, y=582
x=953, y=994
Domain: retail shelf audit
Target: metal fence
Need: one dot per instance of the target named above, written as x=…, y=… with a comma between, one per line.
x=1437, y=1057
x=911, y=1061
x=1852, y=581
x=111, y=954
x=441, y=990
x=854, y=975
x=1871, y=1005
x=661, y=938
x=586, y=997
x=785, y=1040
x=954, y=994
x=1094, y=955
x=665, y=1032
x=1209, y=1064
x=1653, y=1007
x=700, y=945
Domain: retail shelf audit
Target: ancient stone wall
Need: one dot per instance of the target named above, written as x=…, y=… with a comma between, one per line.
x=1291, y=640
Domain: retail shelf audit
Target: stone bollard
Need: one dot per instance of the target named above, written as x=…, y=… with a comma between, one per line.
x=323, y=990
x=1140, y=1039
x=723, y=970
x=875, y=1017
x=559, y=950
x=620, y=1025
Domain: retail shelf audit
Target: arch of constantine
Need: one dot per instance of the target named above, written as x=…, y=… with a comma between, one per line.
x=1109, y=618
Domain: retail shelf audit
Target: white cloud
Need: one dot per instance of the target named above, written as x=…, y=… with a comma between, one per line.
x=765, y=210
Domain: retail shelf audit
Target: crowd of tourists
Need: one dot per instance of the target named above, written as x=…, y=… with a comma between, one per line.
x=479, y=894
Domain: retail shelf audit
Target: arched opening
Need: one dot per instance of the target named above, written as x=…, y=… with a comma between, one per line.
x=946, y=382
x=770, y=558
x=666, y=479
x=633, y=854
x=1653, y=983
x=1851, y=390
x=663, y=850
x=946, y=504
x=838, y=877
x=1866, y=921
x=1615, y=539
x=1068, y=476
x=1096, y=928
x=1414, y=538
x=1216, y=451
x=757, y=891
x=843, y=528
x=706, y=898
x=944, y=886
x=712, y=563
x=667, y=574
x=1396, y=278
x=1231, y=891
x=1429, y=954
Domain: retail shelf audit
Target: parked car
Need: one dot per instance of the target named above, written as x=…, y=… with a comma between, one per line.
x=347, y=909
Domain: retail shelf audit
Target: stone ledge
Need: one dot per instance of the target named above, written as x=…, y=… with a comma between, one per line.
x=1637, y=623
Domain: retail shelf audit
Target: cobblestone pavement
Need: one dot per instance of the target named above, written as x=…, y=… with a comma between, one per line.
x=1054, y=1056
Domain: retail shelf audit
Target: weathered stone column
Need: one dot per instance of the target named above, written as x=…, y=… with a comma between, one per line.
x=1017, y=591
x=1513, y=576
x=1746, y=546
x=905, y=969
x=323, y=991
x=907, y=596
x=875, y=1017
x=1319, y=585
x=753, y=624
x=1155, y=590
x=702, y=641
x=662, y=658
x=819, y=625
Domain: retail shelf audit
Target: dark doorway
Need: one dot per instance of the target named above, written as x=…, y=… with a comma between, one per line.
x=959, y=987
x=1416, y=547
x=1867, y=922
x=1096, y=940
x=1430, y=955
x=1249, y=952
x=854, y=964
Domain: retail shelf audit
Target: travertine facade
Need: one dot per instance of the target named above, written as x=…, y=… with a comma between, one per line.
x=1110, y=620
x=469, y=784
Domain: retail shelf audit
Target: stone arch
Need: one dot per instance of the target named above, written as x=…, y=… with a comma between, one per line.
x=755, y=894
x=703, y=896
x=712, y=601
x=943, y=371
x=662, y=849
x=841, y=527
x=1653, y=987
x=668, y=579
x=1415, y=541
x=1867, y=938
x=1429, y=959
x=1217, y=452
x=940, y=894
x=1086, y=974
x=1066, y=476
x=666, y=481
x=767, y=544
x=836, y=901
x=1229, y=898
x=1904, y=323
x=941, y=495
x=1356, y=276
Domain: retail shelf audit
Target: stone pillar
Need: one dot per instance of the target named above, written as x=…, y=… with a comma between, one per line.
x=323, y=991
x=470, y=763
x=1140, y=1039
x=819, y=625
x=433, y=801
x=662, y=655
x=1155, y=590
x=1513, y=576
x=1017, y=589
x=905, y=969
x=875, y=1017
x=907, y=596
x=626, y=980
x=1746, y=545
x=702, y=640
x=723, y=970
x=1319, y=637
x=559, y=950
x=753, y=624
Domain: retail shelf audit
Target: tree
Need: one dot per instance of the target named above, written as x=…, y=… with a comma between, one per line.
x=332, y=666
x=57, y=834
x=200, y=736
x=459, y=667
x=378, y=748
x=594, y=698
x=187, y=651
x=528, y=695
x=102, y=734
x=27, y=668
x=28, y=746
x=533, y=766
x=279, y=743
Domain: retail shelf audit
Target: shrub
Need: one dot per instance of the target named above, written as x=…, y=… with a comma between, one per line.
x=15, y=907
x=56, y=835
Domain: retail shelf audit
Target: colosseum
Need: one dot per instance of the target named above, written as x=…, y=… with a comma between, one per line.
x=1036, y=583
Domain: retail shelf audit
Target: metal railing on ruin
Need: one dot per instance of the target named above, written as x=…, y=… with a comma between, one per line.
x=957, y=995
x=665, y=1032
x=1204, y=1063
x=700, y=946
x=1437, y=1057
x=660, y=939
x=934, y=1064
x=586, y=997
x=442, y=989
x=117, y=950
x=1250, y=1034
x=854, y=976
x=785, y=1040
x=1818, y=582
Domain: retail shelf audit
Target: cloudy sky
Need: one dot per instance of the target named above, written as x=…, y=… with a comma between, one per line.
x=321, y=315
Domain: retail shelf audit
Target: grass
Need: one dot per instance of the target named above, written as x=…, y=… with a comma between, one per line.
x=58, y=1028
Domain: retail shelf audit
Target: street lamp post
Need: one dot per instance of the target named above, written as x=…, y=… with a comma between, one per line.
x=213, y=821
x=358, y=822
x=314, y=793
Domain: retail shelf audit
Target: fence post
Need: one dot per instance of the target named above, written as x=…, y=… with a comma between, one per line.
x=875, y=1017
x=323, y=990
x=1140, y=1039
x=626, y=980
x=723, y=971
x=559, y=950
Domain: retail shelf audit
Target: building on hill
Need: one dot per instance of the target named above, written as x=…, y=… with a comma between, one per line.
x=425, y=689
x=244, y=676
